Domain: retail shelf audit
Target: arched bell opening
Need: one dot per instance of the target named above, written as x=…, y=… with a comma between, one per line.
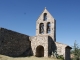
x=48, y=27
x=41, y=28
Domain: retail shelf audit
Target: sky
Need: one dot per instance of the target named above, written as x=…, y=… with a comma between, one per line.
x=21, y=16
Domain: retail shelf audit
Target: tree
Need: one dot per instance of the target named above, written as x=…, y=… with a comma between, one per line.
x=76, y=51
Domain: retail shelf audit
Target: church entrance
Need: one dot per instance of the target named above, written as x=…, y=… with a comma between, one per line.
x=40, y=51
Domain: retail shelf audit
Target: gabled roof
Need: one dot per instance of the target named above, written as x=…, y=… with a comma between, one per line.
x=45, y=11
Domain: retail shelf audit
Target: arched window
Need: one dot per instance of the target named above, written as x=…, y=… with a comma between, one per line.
x=45, y=17
x=48, y=27
x=41, y=28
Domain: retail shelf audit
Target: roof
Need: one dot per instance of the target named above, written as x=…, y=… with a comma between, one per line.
x=67, y=46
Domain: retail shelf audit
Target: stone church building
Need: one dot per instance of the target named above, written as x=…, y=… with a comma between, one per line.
x=42, y=45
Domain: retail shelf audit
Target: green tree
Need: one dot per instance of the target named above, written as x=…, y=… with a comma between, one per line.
x=76, y=51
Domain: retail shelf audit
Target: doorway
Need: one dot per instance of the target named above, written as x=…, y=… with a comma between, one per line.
x=40, y=51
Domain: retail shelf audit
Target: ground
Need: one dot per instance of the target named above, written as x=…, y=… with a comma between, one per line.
x=25, y=58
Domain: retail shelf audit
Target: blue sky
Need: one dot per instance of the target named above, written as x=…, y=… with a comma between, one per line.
x=21, y=16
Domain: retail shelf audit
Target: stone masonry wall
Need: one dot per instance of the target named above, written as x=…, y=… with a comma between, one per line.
x=37, y=41
x=13, y=43
x=61, y=48
x=50, y=20
x=51, y=46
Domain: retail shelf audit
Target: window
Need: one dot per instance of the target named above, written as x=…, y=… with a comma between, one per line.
x=41, y=28
x=48, y=27
x=45, y=16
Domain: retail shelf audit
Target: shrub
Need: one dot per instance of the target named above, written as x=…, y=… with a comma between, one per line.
x=60, y=57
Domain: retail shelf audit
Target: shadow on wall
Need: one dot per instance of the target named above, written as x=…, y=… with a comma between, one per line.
x=51, y=46
x=14, y=44
x=67, y=52
x=28, y=52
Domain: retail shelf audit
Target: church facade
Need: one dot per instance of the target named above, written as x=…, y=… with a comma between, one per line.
x=42, y=45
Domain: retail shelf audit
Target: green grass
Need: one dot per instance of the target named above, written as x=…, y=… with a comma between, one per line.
x=2, y=57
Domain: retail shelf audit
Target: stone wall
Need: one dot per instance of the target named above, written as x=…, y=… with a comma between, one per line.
x=39, y=41
x=50, y=20
x=51, y=46
x=63, y=49
x=13, y=43
x=60, y=48
x=45, y=41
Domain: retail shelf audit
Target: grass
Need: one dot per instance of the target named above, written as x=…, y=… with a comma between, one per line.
x=2, y=57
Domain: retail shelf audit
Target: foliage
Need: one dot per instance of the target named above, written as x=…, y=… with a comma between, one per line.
x=57, y=55
x=60, y=57
x=76, y=51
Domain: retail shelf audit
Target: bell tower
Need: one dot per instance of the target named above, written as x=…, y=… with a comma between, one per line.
x=46, y=25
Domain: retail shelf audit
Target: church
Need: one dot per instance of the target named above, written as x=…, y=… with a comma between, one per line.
x=43, y=44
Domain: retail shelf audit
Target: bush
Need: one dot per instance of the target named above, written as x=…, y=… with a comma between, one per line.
x=60, y=57
x=75, y=51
